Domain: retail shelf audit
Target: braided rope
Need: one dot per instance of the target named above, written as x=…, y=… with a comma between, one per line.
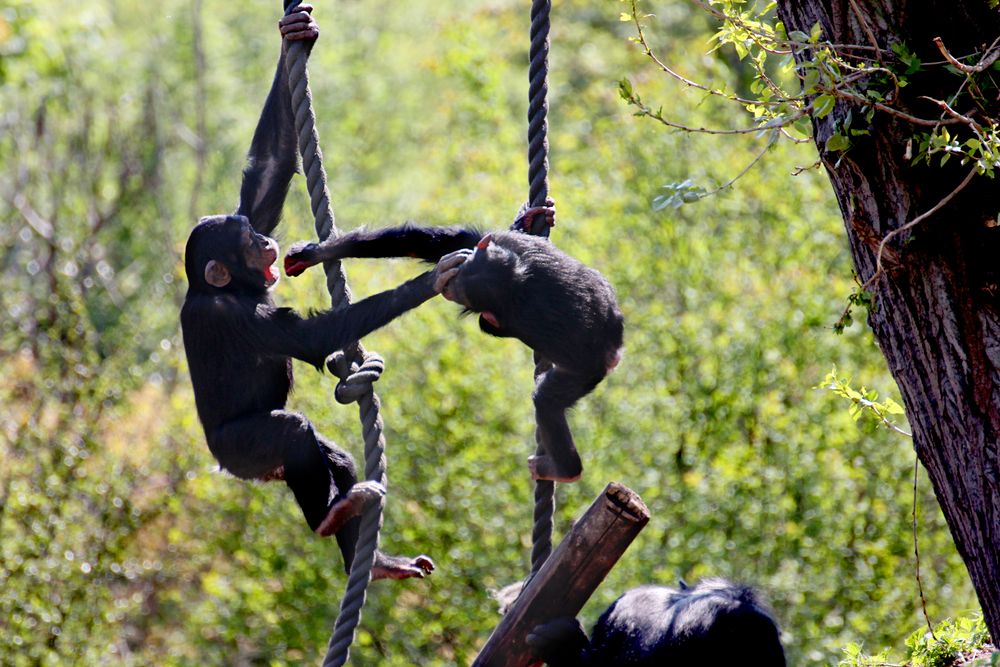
x=538, y=192
x=538, y=108
x=355, y=368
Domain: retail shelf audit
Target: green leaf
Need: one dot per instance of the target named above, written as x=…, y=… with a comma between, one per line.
x=625, y=89
x=837, y=142
x=822, y=105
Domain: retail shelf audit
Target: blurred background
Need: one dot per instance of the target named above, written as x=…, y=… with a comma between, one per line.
x=122, y=122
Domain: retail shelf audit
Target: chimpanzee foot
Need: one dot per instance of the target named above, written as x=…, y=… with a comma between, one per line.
x=400, y=567
x=543, y=467
x=354, y=503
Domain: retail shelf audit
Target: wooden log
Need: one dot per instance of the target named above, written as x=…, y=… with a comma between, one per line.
x=570, y=575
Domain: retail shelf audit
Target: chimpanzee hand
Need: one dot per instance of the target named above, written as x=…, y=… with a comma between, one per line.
x=526, y=215
x=447, y=268
x=300, y=256
x=400, y=567
x=299, y=26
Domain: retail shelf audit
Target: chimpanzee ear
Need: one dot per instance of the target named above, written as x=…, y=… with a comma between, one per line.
x=484, y=242
x=216, y=274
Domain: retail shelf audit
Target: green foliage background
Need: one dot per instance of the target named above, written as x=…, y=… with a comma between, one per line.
x=119, y=544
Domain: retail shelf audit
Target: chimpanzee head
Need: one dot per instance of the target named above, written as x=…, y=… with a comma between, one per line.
x=224, y=253
x=485, y=277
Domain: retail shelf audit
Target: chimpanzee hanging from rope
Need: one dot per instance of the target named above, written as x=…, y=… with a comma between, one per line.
x=239, y=344
x=521, y=286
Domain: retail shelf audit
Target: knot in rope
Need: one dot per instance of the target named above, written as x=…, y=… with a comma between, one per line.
x=355, y=379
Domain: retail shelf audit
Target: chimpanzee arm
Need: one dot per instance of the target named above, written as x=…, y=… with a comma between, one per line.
x=281, y=331
x=427, y=243
x=273, y=156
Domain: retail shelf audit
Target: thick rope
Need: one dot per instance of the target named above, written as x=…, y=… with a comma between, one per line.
x=356, y=369
x=538, y=108
x=538, y=192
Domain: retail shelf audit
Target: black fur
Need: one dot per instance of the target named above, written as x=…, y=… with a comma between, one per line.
x=714, y=624
x=239, y=344
x=523, y=287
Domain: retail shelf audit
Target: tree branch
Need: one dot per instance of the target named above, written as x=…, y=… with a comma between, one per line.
x=988, y=59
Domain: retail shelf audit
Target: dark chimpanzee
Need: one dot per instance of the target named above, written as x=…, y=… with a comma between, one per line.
x=239, y=344
x=524, y=287
x=713, y=624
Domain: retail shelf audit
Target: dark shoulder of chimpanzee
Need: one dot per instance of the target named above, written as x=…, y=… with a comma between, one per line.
x=713, y=624
x=524, y=287
x=239, y=344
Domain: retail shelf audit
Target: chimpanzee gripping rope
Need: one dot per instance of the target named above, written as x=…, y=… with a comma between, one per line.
x=239, y=344
x=521, y=286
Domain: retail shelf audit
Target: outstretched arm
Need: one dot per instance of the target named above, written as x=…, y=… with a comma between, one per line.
x=427, y=243
x=273, y=156
x=281, y=331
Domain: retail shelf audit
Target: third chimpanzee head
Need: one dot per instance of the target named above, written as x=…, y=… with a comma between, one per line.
x=224, y=253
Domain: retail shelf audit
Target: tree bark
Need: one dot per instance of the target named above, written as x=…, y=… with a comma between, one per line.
x=937, y=304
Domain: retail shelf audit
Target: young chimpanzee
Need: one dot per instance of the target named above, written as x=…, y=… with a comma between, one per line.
x=239, y=344
x=524, y=287
x=713, y=624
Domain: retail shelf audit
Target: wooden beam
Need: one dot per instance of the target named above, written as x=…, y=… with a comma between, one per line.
x=570, y=575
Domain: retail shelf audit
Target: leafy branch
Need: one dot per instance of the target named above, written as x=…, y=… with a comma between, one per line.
x=864, y=401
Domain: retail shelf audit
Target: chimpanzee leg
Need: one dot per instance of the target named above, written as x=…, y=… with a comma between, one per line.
x=344, y=477
x=317, y=471
x=556, y=391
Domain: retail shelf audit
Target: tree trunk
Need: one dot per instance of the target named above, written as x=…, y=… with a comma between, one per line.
x=936, y=314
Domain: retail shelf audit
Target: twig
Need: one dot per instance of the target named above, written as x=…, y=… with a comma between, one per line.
x=988, y=59
x=912, y=223
x=649, y=113
x=865, y=403
x=867, y=29
x=815, y=165
x=40, y=225
x=893, y=112
x=954, y=114
x=663, y=66
x=770, y=142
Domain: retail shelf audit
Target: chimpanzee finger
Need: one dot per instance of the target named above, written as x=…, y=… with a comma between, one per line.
x=294, y=18
x=300, y=29
x=442, y=280
x=303, y=8
x=526, y=218
x=298, y=18
x=453, y=259
x=310, y=34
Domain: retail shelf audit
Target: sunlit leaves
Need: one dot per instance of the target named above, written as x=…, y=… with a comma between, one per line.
x=678, y=194
x=863, y=401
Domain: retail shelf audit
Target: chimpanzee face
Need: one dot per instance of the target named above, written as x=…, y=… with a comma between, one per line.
x=259, y=253
x=224, y=252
